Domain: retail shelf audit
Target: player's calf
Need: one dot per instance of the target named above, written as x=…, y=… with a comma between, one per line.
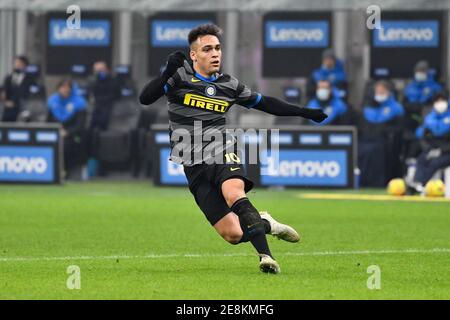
x=252, y=225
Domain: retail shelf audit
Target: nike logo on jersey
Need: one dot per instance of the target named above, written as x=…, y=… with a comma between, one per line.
x=234, y=169
x=195, y=80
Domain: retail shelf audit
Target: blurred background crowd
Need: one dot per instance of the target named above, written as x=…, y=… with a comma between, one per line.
x=402, y=118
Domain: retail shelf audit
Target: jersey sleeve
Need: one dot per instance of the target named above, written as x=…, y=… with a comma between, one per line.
x=246, y=97
x=172, y=82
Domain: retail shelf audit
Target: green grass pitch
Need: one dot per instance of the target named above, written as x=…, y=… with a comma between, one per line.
x=135, y=241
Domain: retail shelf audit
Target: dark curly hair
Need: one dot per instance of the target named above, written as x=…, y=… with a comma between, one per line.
x=203, y=30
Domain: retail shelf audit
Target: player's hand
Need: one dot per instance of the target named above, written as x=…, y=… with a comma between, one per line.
x=316, y=115
x=175, y=60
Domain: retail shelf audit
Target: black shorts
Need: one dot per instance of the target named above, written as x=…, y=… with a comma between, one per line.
x=205, y=183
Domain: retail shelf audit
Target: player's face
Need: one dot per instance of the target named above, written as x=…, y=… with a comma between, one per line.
x=206, y=53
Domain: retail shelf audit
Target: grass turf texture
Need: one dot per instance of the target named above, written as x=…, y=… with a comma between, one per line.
x=134, y=220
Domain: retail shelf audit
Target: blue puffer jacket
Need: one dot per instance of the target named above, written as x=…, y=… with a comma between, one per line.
x=422, y=91
x=334, y=108
x=384, y=112
x=437, y=123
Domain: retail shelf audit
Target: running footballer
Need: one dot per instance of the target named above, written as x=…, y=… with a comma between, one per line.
x=198, y=93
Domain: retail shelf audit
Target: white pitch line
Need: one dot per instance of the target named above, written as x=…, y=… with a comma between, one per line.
x=199, y=255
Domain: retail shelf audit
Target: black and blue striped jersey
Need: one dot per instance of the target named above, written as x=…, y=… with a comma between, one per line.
x=195, y=101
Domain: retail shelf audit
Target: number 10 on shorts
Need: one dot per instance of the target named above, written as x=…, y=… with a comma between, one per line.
x=232, y=157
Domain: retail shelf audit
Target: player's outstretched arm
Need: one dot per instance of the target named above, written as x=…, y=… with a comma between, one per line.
x=155, y=88
x=279, y=107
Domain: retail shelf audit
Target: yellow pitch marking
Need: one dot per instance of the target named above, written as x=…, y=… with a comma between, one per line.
x=370, y=197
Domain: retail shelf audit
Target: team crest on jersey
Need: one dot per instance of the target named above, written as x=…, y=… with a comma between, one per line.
x=210, y=91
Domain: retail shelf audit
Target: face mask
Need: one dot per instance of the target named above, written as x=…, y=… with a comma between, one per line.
x=420, y=76
x=381, y=98
x=440, y=106
x=18, y=70
x=323, y=94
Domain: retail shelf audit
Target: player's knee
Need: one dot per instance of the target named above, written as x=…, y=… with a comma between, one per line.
x=233, y=236
x=233, y=190
x=233, y=195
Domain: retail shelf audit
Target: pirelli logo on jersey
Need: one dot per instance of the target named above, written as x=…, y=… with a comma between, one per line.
x=194, y=100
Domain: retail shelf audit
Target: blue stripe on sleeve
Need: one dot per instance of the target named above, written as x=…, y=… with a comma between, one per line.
x=257, y=100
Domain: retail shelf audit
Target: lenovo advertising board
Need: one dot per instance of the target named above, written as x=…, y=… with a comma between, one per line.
x=168, y=32
x=67, y=46
x=404, y=39
x=292, y=38
x=320, y=157
x=30, y=153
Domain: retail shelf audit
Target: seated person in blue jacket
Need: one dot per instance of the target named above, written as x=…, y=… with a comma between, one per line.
x=332, y=69
x=380, y=137
x=419, y=93
x=435, y=137
x=326, y=99
x=384, y=108
x=68, y=108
